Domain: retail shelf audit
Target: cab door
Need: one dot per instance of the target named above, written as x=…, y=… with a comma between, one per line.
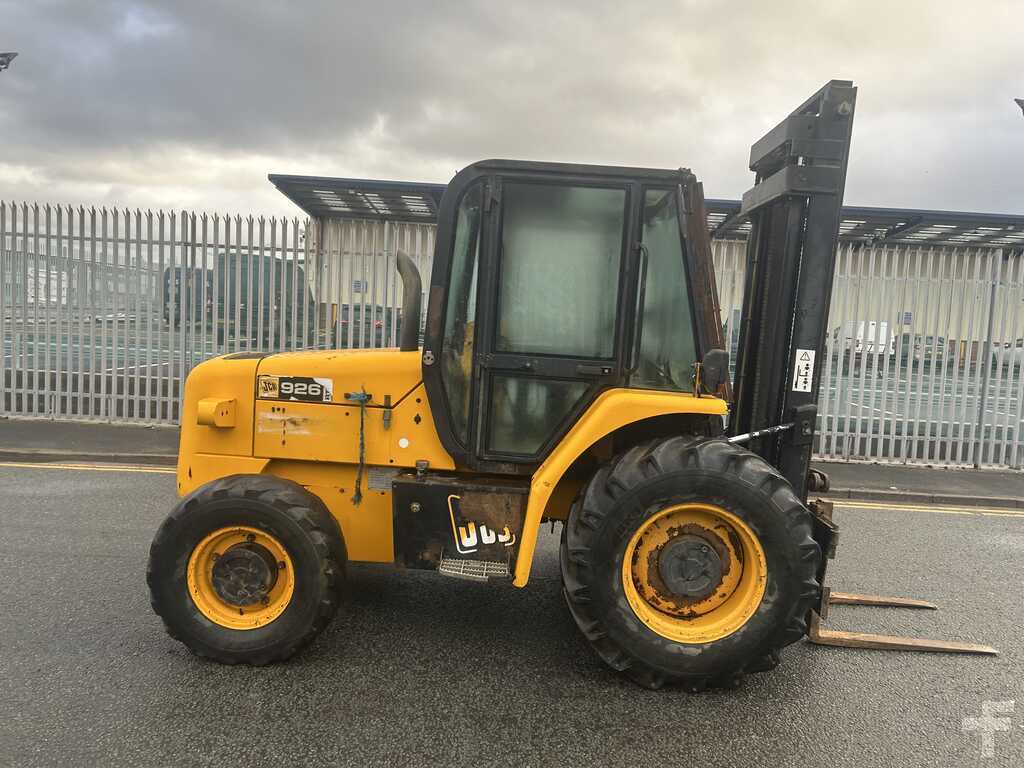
x=551, y=334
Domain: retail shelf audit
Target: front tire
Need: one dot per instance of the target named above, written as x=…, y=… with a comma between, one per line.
x=689, y=561
x=247, y=568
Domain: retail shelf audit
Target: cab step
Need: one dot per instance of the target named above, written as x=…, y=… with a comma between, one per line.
x=473, y=570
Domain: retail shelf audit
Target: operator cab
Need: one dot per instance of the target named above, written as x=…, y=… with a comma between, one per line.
x=551, y=283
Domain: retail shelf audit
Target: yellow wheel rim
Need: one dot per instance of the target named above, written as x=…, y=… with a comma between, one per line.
x=694, y=573
x=240, y=577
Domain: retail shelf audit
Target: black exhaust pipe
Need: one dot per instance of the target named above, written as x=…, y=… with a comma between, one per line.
x=412, y=295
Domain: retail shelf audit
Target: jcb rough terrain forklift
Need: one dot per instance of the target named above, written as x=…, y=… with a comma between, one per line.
x=572, y=370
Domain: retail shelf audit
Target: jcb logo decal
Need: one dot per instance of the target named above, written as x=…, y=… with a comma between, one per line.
x=470, y=536
x=269, y=387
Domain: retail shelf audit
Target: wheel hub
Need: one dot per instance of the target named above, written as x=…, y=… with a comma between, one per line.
x=694, y=572
x=244, y=575
x=240, y=577
x=690, y=567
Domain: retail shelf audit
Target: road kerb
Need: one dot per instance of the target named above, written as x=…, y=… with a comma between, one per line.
x=919, y=498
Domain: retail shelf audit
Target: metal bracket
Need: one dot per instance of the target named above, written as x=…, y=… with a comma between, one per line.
x=804, y=420
x=797, y=180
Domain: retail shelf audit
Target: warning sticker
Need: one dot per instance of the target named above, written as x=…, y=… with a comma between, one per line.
x=803, y=370
x=379, y=478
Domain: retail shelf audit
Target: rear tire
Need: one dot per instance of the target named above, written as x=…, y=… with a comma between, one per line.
x=627, y=497
x=292, y=524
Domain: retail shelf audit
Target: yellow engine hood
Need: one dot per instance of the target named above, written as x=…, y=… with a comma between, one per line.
x=397, y=427
x=381, y=372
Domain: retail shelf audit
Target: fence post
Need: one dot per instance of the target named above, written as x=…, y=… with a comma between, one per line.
x=986, y=361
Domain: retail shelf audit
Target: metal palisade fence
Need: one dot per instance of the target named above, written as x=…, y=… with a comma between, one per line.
x=103, y=312
x=924, y=354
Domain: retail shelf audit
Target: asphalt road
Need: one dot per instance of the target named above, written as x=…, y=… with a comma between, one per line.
x=420, y=670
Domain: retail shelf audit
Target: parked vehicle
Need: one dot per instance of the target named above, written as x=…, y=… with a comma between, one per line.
x=244, y=296
x=181, y=279
x=380, y=329
x=1009, y=354
x=864, y=344
x=920, y=348
x=228, y=292
x=865, y=337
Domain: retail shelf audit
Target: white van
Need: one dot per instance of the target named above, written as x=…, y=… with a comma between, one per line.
x=862, y=337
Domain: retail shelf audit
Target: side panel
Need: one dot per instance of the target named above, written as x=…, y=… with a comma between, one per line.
x=367, y=528
x=317, y=445
x=329, y=432
x=613, y=409
x=446, y=517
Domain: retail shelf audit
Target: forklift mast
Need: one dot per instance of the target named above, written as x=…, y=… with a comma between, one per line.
x=793, y=209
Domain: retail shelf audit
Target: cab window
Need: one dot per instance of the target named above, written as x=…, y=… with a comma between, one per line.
x=667, y=342
x=561, y=247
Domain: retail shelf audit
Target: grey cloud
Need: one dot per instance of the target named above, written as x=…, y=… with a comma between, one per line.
x=196, y=102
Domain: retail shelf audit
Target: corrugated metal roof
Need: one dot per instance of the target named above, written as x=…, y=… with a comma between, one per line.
x=326, y=197
x=895, y=225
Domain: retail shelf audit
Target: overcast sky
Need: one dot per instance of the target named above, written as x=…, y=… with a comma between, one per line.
x=192, y=104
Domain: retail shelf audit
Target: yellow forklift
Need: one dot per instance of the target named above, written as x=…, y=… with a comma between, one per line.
x=571, y=370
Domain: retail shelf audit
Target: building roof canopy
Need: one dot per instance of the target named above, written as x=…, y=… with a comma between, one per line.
x=337, y=198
